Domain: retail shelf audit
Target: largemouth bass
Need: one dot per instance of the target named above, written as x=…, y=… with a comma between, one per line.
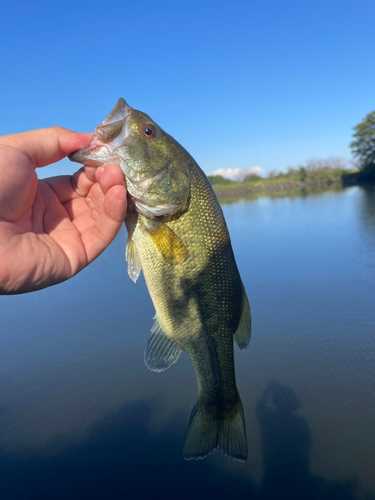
x=178, y=237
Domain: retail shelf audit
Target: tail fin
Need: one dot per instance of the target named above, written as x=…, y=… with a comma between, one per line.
x=210, y=429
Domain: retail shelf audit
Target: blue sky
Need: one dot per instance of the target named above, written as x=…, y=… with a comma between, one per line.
x=239, y=84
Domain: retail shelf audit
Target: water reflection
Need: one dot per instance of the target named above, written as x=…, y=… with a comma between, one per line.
x=286, y=444
x=81, y=417
x=121, y=456
x=368, y=208
x=233, y=196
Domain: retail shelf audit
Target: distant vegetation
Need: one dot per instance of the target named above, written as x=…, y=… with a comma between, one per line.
x=218, y=179
x=227, y=197
x=363, y=148
x=314, y=172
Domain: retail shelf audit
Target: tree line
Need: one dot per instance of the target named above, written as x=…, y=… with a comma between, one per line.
x=363, y=148
x=326, y=170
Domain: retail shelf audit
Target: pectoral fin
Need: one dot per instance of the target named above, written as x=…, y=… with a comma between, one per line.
x=172, y=249
x=243, y=332
x=133, y=260
x=161, y=351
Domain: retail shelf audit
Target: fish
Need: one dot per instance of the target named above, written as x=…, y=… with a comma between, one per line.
x=178, y=238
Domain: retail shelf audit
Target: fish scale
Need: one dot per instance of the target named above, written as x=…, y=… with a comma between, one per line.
x=178, y=237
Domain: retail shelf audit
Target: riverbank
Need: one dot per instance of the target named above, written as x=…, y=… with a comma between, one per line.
x=312, y=179
x=273, y=189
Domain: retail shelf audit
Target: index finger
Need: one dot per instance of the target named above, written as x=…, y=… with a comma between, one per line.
x=46, y=145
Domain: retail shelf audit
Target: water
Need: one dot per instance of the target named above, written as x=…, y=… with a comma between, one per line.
x=81, y=417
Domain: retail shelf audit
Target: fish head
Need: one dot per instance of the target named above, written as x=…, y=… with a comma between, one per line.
x=156, y=166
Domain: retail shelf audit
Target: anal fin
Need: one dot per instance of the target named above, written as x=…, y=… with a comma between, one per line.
x=161, y=351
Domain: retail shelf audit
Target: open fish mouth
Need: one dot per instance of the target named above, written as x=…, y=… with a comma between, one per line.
x=107, y=137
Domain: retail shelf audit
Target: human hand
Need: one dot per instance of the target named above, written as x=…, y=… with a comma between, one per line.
x=51, y=229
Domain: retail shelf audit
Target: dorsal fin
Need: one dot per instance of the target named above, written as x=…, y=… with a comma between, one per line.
x=243, y=332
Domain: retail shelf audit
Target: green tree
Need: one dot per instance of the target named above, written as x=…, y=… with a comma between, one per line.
x=363, y=146
x=218, y=179
x=302, y=174
x=252, y=178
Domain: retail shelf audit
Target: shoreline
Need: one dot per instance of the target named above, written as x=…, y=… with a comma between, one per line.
x=272, y=188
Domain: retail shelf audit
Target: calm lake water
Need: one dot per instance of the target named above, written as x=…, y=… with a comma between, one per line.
x=82, y=418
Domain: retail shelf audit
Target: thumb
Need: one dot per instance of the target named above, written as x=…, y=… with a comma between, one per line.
x=20, y=154
x=47, y=145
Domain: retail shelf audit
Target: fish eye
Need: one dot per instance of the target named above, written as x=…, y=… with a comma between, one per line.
x=149, y=131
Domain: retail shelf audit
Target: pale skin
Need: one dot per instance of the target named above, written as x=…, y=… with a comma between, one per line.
x=51, y=229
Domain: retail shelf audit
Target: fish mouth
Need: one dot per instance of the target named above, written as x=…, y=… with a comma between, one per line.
x=107, y=136
x=118, y=113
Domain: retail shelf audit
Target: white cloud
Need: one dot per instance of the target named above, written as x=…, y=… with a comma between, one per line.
x=237, y=173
